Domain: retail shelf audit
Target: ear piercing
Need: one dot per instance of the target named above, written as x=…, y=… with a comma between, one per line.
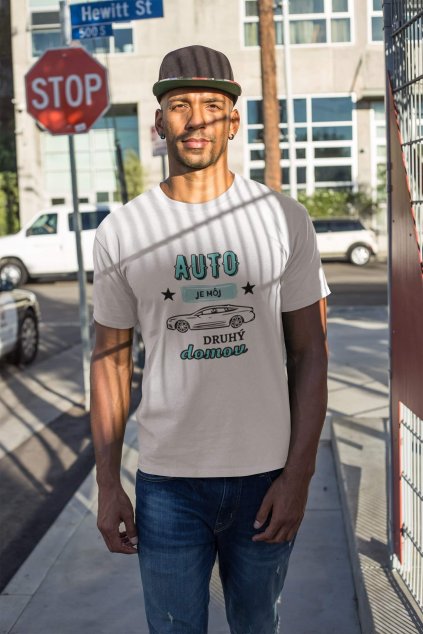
x=162, y=136
x=231, y=137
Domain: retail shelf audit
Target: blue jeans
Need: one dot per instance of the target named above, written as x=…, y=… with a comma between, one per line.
x=182, y=524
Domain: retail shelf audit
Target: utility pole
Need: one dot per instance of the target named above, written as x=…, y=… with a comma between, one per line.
x=289, y=101
x=83, y=306
x=272, y=169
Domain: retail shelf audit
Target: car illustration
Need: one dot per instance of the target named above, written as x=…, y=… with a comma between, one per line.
x=212, y=317
x=19, y=318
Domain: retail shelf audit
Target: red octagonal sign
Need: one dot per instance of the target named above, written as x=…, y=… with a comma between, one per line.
x=66, y=90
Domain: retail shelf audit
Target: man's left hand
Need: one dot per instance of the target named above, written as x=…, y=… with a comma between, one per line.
x=286, y=499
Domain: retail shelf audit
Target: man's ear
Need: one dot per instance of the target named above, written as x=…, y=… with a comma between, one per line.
x=235, y=122
x=159, y=121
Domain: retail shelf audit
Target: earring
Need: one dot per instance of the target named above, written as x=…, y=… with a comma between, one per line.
x=162, y=136
x=231, y=137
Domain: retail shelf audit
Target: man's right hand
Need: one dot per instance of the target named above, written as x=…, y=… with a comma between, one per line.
x=114, y=508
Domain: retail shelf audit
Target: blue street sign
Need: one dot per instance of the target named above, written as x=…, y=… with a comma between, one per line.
x=109, y=11
x=92, y=30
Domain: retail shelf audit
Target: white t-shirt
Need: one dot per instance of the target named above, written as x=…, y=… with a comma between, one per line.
x=208, y=283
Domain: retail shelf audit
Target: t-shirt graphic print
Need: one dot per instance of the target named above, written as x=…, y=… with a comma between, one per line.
x=208, y=283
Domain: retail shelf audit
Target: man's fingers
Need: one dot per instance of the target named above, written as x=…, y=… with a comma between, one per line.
x=263, y=512
x=131, y=530
x=118, y=542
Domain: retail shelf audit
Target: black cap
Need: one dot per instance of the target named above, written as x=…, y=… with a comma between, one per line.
x=196, y=66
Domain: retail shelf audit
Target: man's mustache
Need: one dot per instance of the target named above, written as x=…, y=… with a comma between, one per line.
x=185, y=137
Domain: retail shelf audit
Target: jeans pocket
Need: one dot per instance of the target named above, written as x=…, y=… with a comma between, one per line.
x=272, y=475
x=152, y=477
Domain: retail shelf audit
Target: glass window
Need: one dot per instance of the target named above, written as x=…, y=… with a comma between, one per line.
x=46, y=224
x=102, y=197
x=377, y=29
x=339, y=5
x=57, y=201
x=256, y=135
x=251, y=34
x=331, y=152
x=333, y=133
x=42, y=4
x=306, y=6
x=255, y=111
x=300, y=111
x=308, y=31
x=89, y=219
x=257, y=155
x=257, y=175
x=251, y=8
x=97, y=45
x=339, y=159
x=45, y=17
x=332, y=173
x=310, y=22
x=320, y=226
x=341, y=31
x=331, y=109
x=123, y=41
x=301, y=175
x=44, y=39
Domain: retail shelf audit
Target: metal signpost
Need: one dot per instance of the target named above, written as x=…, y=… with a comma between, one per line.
x=66, y=92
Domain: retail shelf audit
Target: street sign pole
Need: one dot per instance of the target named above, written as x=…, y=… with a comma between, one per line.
x=83, y=306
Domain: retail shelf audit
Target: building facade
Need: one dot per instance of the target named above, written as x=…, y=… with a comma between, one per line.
x=337, y=84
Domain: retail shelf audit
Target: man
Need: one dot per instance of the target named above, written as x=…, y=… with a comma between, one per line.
x=225, y=279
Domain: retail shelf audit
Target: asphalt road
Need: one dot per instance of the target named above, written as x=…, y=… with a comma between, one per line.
x=40, y=476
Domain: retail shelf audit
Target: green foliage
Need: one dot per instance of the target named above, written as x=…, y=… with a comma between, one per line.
x=336, y=203
x=134, y=174
x=9, y=203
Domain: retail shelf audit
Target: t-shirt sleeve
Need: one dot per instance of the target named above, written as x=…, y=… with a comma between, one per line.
x=114, y=302
x=303, y=281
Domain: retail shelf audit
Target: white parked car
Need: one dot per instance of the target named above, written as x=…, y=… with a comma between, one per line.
x=345, y=238
x=45, y=246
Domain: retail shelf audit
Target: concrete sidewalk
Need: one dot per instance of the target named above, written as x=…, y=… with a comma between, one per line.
x=72, y=583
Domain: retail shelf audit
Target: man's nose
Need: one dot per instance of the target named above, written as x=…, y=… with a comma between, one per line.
x=197, y=118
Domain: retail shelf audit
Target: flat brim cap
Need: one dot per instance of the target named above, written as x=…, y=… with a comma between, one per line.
x=198, y=67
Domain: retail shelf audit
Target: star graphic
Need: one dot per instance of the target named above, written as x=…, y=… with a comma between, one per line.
x=248, y=288
x=168, y=294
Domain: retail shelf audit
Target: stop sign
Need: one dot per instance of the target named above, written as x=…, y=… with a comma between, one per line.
x=66, y=90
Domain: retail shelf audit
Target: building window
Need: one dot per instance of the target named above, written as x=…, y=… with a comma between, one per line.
x=95, y=157
x=376, y=20
x=378, y=148
x=311, y=22
x=46, y=33
x=324, y=137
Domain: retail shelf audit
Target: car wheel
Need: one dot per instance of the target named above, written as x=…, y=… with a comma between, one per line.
x=360, y=255
x=182, y=326
x=14, y=270
x=236, y=321
x=27, y=346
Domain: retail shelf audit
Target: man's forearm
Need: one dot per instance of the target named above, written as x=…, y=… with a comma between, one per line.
x=110, y=399
x=307, y=379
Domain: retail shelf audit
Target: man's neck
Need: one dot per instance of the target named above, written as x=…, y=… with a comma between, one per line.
x=198, y=186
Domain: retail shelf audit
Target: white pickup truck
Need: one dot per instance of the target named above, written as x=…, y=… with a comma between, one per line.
x=45, y=246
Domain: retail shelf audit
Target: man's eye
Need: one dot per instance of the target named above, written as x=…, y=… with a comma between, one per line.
x=178, y=106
